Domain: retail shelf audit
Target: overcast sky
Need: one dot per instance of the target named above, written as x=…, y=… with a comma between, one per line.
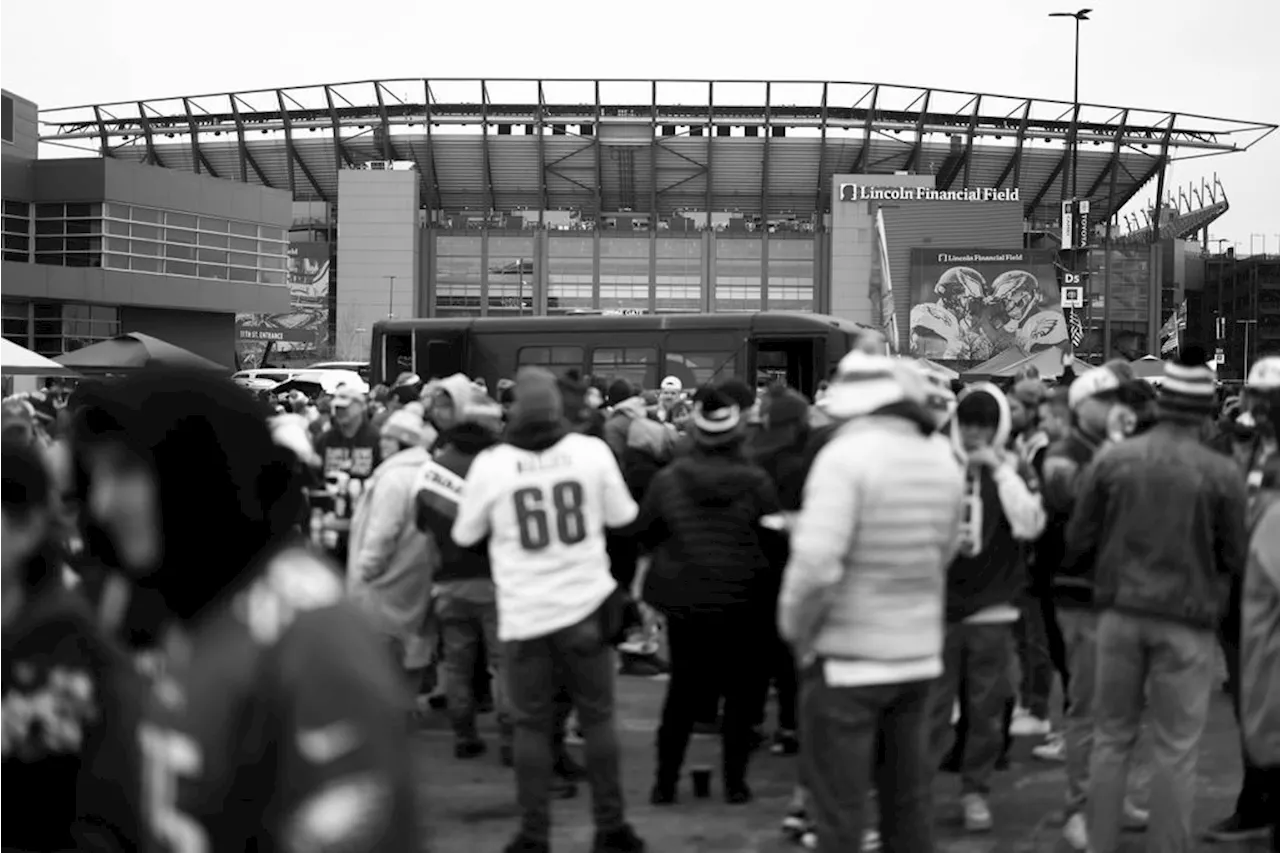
x=1215, y=58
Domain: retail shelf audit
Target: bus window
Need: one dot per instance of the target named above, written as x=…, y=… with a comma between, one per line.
x=788, y=361
x=397, y=355
x=695, y=369
x=637, y=365
x=559, y=360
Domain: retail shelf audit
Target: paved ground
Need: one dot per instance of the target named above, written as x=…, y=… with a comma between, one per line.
x=472, y=810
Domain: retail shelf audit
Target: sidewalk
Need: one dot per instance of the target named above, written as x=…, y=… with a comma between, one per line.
x=471, y=804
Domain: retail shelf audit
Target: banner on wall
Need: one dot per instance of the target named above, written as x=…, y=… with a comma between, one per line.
x=973, y=304
x=307, y=319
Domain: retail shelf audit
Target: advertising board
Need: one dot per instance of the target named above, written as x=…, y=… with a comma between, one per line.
x=307, y=319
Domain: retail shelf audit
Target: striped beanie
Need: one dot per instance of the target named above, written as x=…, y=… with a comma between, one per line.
x=715, y=418
x=1189, y=386
x=863, y=384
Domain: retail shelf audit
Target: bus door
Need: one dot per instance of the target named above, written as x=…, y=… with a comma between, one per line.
x=797, y=361
x=396, y=355
x=440, y=353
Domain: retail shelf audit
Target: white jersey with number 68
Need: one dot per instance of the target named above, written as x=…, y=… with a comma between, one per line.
x=545, y=513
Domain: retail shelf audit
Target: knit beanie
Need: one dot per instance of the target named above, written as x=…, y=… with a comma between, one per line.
x=716, y=419
x=537, y=397
x=1189, y=386
x=619, y=390
x=405, y=427
x=737, y=391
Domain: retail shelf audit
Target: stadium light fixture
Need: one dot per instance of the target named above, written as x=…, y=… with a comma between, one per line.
x=1081, y=15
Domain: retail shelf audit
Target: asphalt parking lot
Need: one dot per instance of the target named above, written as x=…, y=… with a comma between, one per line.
x=470, y=805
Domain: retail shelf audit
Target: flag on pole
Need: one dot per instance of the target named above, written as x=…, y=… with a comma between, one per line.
x=1173, y=329
x=1075, y=328
x=888, y=316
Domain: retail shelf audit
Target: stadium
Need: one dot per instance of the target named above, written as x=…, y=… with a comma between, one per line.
x=438, y=198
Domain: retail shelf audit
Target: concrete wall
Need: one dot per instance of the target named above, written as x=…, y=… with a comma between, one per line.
x=377, y=238
x=116, y=287
x=853, y=246
x=26, y=134
x=909, y=223
x=95, y=179
x=206, y=333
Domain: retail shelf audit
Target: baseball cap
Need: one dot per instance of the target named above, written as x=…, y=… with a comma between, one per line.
x=345, y=395
x=671, y=383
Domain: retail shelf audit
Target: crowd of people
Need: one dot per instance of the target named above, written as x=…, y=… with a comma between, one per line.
x=225, y=614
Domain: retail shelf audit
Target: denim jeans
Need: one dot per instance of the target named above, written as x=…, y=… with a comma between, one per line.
x=579, y=659
x=857, y=739
x=468, y=624
x=1166, y=669
x=1079, y=635
x=976, y=670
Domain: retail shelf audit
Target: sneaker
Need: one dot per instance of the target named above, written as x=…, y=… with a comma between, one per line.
x=1237, y=828
x=573, y=736
x=620, y=840
x=870, y=841
x=1027, y=724
x=1076, y=833
x=469, y=748
x=1053, y=750
x=977, y=814
x=785, y=742
x=809, y=840
x=796, y=824
x=1136, y=818
x=521, y=844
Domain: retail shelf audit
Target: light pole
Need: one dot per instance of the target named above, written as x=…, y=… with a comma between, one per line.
x=1082, y=15
x=1246, y=324
x=391, y=296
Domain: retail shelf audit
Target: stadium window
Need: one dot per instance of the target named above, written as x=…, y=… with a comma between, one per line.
x=637, y=365
x=556, y=359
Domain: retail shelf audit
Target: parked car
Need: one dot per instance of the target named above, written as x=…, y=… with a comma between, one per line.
x=262, y=379
x=360, y=367
x=314, y=382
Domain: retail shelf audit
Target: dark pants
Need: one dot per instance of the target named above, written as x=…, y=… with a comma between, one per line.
x=468, y=628
x=859, y=737
x=724, y=649
x=1034, y=661
x=1254, y=803
x=1053, y=641
x=579, y=658
x=781, y=674
x=976, y=672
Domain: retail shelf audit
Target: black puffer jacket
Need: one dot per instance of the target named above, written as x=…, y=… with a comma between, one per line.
x=701, y=518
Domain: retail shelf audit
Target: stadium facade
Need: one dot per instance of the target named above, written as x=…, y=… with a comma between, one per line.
x=203, y=249
x=502, y=198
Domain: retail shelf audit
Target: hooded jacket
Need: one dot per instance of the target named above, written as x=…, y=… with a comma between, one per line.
x=1260, y=637
x=390, y=562
x=701, y=518
x=266, y=651
x=438, y=491
x=994, y=573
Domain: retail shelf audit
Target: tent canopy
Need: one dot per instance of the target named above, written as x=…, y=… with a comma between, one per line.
x=940, y=369
x=1047, y=362
x=17, y=360
x=992, y=366
x=133, y=351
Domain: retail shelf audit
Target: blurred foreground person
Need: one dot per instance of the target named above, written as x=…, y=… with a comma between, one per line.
x=70, y=772
x=275, y=721
x=862, y=604
x=543, y=499
x=1159, y=524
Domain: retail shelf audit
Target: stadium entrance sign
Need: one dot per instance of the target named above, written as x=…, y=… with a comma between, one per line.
x=862, y=192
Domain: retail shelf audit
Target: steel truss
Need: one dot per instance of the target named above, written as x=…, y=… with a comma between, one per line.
x=884, y=127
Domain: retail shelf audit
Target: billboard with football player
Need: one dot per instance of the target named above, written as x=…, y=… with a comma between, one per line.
x=972, y=304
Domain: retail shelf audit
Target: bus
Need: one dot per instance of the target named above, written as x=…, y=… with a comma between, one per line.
x=798, y=349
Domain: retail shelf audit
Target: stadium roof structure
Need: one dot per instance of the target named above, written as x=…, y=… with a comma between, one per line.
x=603, y=146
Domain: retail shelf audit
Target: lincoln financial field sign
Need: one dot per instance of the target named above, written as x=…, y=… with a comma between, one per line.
x=862, y=192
